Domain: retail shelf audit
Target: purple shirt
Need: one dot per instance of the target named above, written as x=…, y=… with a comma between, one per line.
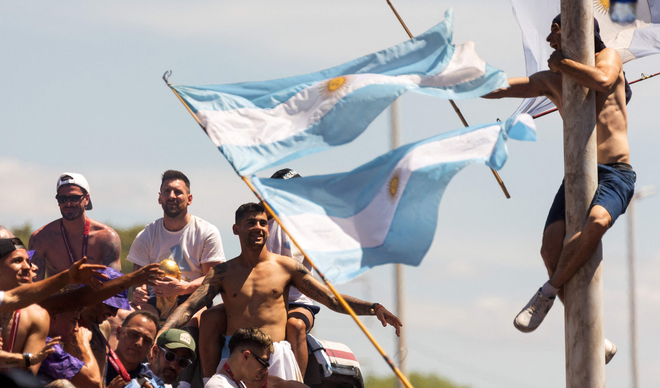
x=59, y=365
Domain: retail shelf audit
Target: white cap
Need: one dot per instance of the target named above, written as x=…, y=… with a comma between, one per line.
x=71, y=178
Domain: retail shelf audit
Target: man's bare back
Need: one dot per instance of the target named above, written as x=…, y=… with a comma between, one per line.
x=32, y=330
x=51, y=256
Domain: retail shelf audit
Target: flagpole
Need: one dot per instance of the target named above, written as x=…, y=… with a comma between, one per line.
x=341, y=299
x=270, y=211
x=453, y=104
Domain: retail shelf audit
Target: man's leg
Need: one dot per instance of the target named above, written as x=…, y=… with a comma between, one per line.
x=212, y=326
x=552, y=246
x=299, y=322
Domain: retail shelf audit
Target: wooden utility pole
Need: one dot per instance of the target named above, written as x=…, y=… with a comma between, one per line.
x=583, y=313
x=400, y=269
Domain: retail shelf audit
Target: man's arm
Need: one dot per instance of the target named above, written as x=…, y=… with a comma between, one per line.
x=169, y=286
x=37, y=333
x=89, y=375
x=86, y=296
x=203, y=296
x=39, y=257
x=601, y=77
x=308, y=285
x=111, y=249
x=27, y=294
x=535, y=85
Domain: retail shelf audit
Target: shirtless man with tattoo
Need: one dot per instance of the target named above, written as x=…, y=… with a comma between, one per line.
x=616, y=178
x=254, y=287
x=60, y=243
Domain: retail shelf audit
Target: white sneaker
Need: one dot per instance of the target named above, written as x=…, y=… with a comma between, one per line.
x=533, y=314
x=610, y=351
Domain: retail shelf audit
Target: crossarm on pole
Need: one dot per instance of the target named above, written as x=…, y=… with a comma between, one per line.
x=453, y=104
x=342, y=301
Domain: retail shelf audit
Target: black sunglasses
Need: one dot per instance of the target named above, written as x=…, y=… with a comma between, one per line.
x=171, y=356
x=62, y=199
x=263, y=363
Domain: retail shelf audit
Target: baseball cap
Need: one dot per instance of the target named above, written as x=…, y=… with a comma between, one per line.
x=120, y=300
x=285, y=173
x=71, y=178
x=8, y=245
x=176, y=339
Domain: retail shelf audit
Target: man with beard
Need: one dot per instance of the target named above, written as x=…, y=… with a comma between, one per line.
x=174, y=351
x=62, y=242
x=193, y=243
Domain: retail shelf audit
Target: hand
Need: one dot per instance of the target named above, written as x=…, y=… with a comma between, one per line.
x=169, y=287
x=555, y=60
x=140, y=296
x=385, y=317
x=147, y=274
x=82, y=337
x=117, y=382
x=45, y=352
x=86, y=273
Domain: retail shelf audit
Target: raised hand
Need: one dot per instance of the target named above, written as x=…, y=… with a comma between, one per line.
x=385, y=317
x=82, y=273
x=147, y=274
x=140, y=296
x=169, y=286
x=45, y=352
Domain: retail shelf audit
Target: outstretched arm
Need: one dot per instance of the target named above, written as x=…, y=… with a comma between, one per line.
x=203, y=296
x=601, y=77
x=28, y=294
x=85, y=296
x=524, y=87
x=308, y=285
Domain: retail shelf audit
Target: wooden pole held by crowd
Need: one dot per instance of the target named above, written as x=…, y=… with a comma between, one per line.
x=583, y=312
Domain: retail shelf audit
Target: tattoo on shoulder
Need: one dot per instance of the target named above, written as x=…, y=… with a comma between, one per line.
x=113, y=251
x=301, y=269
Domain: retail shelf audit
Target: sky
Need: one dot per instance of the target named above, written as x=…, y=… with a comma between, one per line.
x=83, y=93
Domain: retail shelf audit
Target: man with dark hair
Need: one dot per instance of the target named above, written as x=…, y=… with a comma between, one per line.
x=254, y=287
x=301, y=313
x=193, y=243
x=616, y=179
x=250, y=352
x=135, y=337
x=62, y=242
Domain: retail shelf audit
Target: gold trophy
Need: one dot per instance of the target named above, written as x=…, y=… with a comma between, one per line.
x=167, y=304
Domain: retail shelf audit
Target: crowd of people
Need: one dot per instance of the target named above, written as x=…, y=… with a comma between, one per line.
x=66, y=318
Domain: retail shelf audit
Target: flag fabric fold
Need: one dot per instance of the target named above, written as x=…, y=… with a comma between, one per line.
x=386, y=210
x=636, y=40
x=261, y=124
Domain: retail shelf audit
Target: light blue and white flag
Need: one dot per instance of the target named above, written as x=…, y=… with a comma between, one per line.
x=635, y=40
x=385, y=211
x=261, y=124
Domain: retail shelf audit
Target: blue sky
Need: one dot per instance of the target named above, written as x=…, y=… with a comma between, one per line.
x=83, y=92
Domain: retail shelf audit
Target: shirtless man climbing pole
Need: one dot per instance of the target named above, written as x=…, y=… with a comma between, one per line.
x=616, y=179
x=52, y=252
x=254, y=287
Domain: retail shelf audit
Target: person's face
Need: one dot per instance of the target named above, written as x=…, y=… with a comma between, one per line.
x=135, y=340
x=253, y=370
x=65, y=325
x=554, y=38
x=100, y=312
x=174, y=197
x=252, y=230
x=74, y=201
x=169, y=371
x=15, y=269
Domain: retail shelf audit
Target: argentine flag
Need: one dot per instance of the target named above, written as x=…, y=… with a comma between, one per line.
x=385, y=211
x=261, y=124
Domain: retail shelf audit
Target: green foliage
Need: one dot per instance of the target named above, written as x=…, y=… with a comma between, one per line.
x=418, y=380
x=127, y=236
x=23, y=232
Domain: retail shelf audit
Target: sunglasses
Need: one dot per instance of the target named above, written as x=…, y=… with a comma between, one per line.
x=62, y=199
x=171, y=356
x=263, y=363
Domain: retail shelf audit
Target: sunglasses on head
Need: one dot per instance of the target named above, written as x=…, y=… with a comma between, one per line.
x=62, y=199
x=171, y=356
x=263, y=362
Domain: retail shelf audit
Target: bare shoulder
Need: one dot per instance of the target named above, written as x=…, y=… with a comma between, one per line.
x=290, y=264
x=102, y=230
x=610, y=56
x=45, y=232
x=36, y=314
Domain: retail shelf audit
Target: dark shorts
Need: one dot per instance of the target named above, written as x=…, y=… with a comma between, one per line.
x=616, y=187
x=312, y=309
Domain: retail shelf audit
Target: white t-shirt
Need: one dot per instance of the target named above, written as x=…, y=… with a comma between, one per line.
x=278, y=242
x=220, y=381
x=197, y=243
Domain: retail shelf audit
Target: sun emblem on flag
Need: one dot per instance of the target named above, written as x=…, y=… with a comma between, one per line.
x=602, y=5
x=394, y=186
x=334, y=85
